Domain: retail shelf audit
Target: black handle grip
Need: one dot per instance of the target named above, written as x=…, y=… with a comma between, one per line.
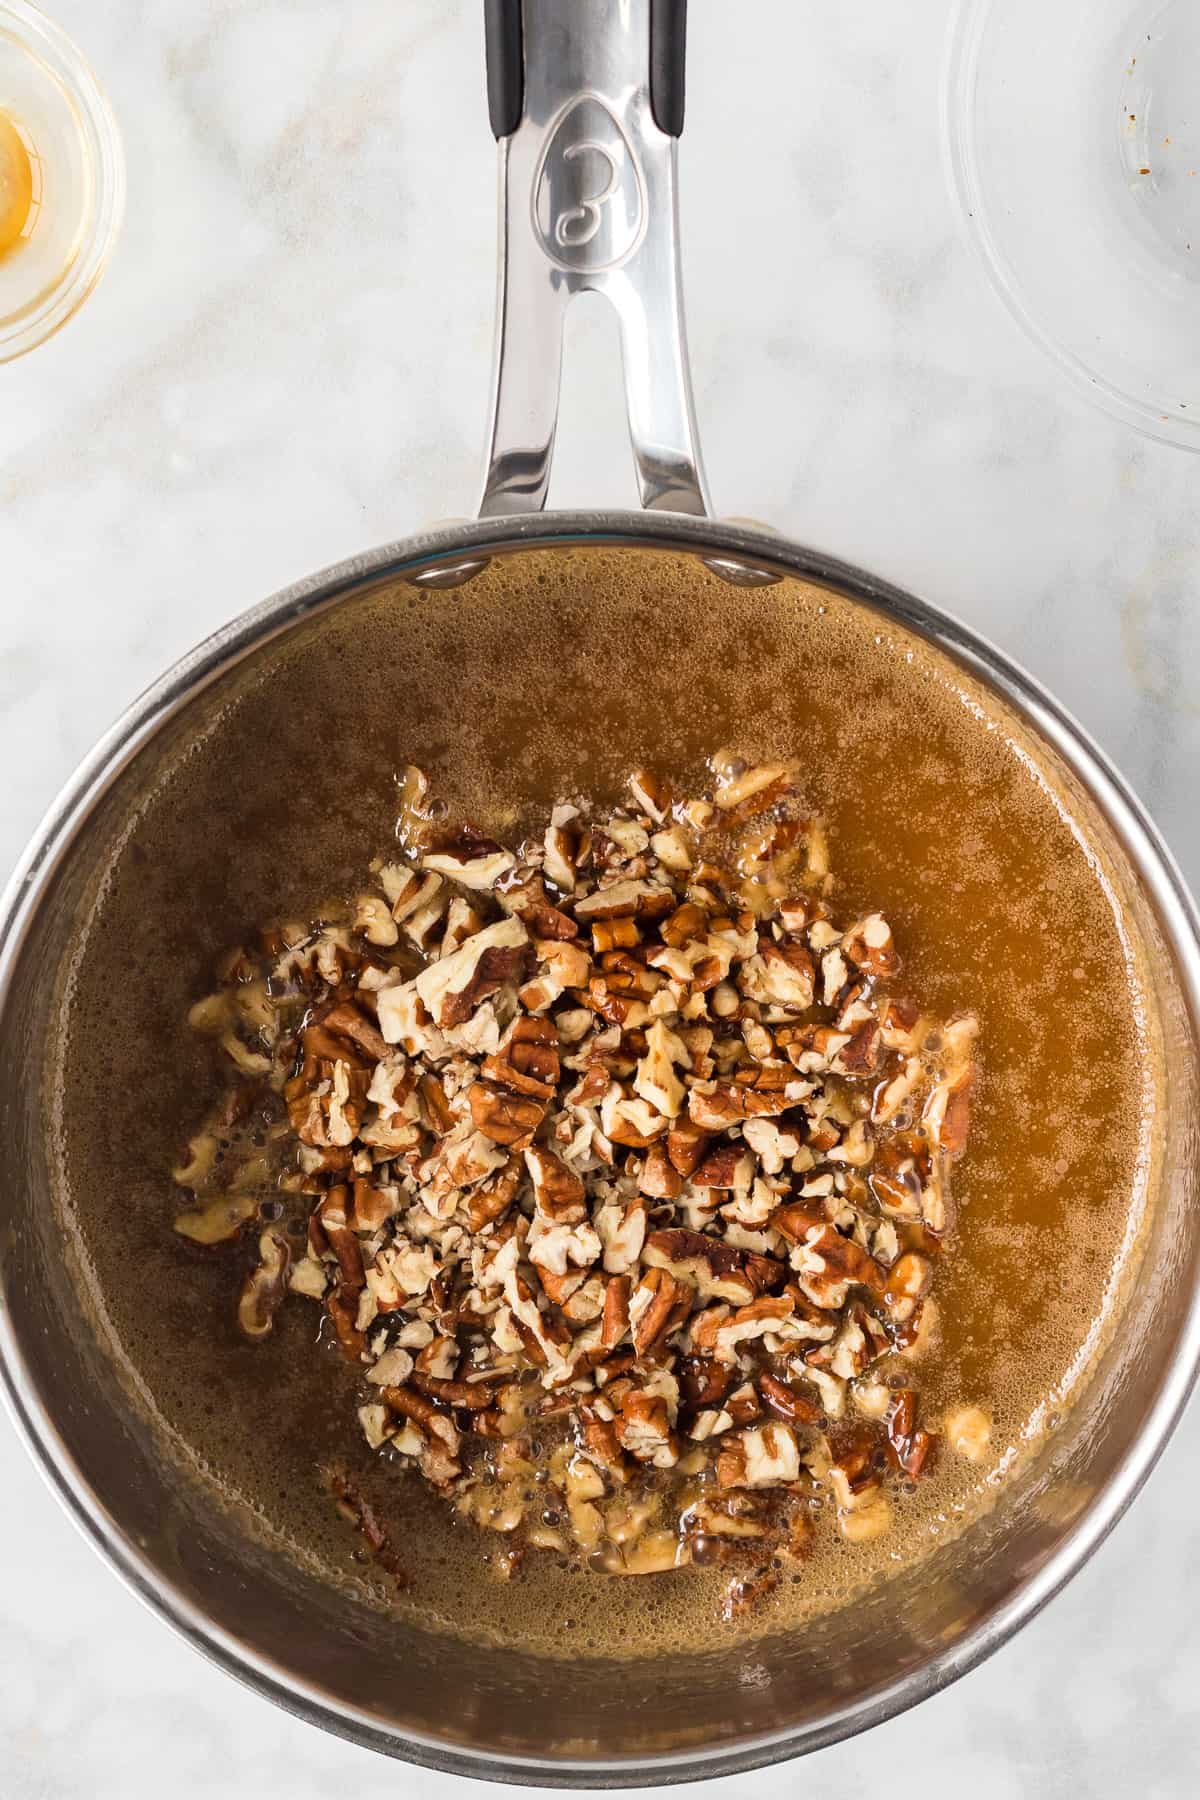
x=504, y=38
x=668, y=61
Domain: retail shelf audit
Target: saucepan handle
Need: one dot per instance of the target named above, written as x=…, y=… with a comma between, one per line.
x=586, y=99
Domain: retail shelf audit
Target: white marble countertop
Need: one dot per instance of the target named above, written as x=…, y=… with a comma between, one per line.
x=288, y=362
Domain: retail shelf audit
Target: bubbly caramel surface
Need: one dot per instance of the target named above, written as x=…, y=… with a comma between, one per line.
x=556, y=672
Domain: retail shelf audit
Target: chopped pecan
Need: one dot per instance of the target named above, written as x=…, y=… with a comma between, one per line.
x=468, y=857
x=712, y=1267
x=658, y=1178
x=343, y=1311
x=626, y=899
x=728, y=1167
x=600, y=1440
x=783, y=1400
x=703, y=1381
x=643, y=1429
x=652, y=1307
x=854, y=1473
x=948, y=1111
x=743, y=1404
x=714, y=1106
x=438, y=1115
x=615, y=1322
x=652, y=793
x=795, y=1220
x=687, y=923
x=546, y=921
x=907, y=1285
x=752, y=790
x=559, y=1192
x=596, y=1164
x=491, y=1199
x=348, y=1022
x=219, y=1220
x=869, y=945
x=764, y=1456
x=968, y=1431
x=333, y=1213
x=614, y=934
x=504, y=1117
x=687, y=1145
x=748, y=1591
x=910, y=1446
x=830, y=1262
x=423, y=1411
x=471, y=1396
x=265, y=1288
x=453, y=986
x=527, y=1060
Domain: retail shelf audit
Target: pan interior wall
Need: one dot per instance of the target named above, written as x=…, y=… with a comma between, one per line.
x=552, y=675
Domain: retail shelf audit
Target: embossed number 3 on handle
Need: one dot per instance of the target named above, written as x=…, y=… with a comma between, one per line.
x=589, y=198
x=588, y=213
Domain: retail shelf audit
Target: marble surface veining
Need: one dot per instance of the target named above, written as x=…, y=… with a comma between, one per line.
x=288, y=362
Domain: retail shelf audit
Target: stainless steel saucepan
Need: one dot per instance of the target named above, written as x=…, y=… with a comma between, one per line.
x=259, y=766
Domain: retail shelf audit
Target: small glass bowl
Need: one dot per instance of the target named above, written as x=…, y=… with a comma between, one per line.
x=60, y=112
x=1072, y=132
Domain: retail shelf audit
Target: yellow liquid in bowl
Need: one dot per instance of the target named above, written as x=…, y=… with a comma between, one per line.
x=16, y=185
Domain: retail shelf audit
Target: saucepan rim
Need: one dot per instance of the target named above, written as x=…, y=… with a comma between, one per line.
x=446, y=545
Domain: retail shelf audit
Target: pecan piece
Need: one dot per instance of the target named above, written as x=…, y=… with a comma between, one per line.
x=422, y=1411
x=504, y=1117
x=652, y=793
x=658, y=1178
x=265, y=1287
x=472, y=1396
x=343, y=1311
x=713, y=1268
x=558, y=1191
x=795, y=1220
x=687, y=1145
x=615, y=1322
x=907, y=1285
x=452, y=987
x=703, y=1381
x=728, y=1167
x=333, y=1214
x=348, y=1022
x=786, y=1403
x=831, y=1262
x=491, y=1199
x=527, y=1060
x=910, y=1446
x=685, y=925
x=626, y=899
x=546, y=921
x=869, y=945
x=468, y=857
x=764, y=1456
x=652, y=1307
x=748, y=1591
x=643, y=1429
x=600, y=1441
x=948, y=1112
x=714, y=1106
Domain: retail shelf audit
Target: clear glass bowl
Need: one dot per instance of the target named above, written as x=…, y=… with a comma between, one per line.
x=64, y=120
x=1072, y=130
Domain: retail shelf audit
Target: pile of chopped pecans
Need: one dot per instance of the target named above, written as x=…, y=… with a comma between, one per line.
x=625, y=1174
